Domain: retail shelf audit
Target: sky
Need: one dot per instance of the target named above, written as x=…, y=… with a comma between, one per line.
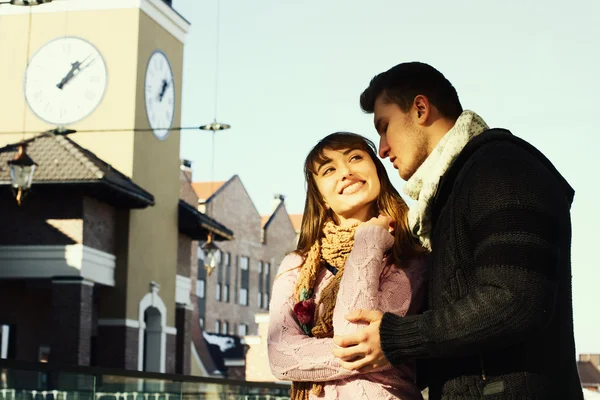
x=289, y=73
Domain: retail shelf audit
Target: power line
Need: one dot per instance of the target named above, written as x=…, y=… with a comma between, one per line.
x=178, y=128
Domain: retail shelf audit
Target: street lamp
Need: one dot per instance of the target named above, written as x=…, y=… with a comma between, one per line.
x=22, y=168
x=26, y=2
x=215, y=126
x=211, y=254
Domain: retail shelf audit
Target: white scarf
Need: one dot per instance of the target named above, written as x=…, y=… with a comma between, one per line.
x=423, y=185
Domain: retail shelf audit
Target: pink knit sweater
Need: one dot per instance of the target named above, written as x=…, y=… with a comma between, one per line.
x=369, y=282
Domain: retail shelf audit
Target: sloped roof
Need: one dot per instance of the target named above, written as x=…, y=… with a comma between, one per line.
x=61, y=161
x=296, y=221
x=588, y=373
x=205, y=190
x=196, y=224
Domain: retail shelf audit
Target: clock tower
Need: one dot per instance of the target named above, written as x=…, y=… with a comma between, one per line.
x=111, y=70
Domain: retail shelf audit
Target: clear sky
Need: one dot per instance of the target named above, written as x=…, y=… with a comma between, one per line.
x=291, y=72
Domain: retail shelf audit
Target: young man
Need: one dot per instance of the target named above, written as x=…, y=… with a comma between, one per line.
x=495, y=214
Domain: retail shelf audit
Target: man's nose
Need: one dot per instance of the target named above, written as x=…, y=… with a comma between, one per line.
x=384, y=148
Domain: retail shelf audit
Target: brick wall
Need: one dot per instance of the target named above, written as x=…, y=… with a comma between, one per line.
x=28, y=224
x=117, y=347
x=28, y=310
x=233, y=207
x=99, y=225
x=71, y=331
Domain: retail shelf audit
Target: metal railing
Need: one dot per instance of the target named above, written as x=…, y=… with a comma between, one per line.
x=38, y=381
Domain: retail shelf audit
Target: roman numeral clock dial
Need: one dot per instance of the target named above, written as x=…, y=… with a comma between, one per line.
x=159, y=93
x=65, y=80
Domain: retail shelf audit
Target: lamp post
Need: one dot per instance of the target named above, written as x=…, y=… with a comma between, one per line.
x=215, y=126
x=22, y=168
x=26, y=2
x=211, y=254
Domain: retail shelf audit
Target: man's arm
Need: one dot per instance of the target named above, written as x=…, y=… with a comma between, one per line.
x=514, y=209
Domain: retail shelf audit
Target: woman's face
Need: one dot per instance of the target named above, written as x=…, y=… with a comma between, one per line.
x=348, y=183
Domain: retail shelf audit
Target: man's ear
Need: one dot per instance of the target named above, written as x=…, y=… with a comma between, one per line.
x=421, y=109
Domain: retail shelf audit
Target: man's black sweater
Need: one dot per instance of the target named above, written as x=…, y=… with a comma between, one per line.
x=499, y=323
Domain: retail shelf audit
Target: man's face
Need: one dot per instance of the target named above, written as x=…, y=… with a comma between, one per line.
x=400, y=138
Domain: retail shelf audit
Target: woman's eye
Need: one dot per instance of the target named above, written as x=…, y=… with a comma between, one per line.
x=356, y=157
x=327, y=171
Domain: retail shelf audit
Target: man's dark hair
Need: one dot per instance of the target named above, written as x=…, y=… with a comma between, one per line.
x=402, y=83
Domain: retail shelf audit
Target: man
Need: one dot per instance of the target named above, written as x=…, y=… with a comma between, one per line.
x=495, y=214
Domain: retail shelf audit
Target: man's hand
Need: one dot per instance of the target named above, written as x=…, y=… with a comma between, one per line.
x=362, y=350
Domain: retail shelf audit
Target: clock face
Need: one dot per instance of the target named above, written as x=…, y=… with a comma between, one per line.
x=65, y=80
x=159, y=93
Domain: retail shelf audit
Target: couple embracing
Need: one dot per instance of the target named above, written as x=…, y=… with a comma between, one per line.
x=467, y=293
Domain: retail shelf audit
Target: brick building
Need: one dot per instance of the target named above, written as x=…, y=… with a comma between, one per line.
x=240, y=286
x=64, y=267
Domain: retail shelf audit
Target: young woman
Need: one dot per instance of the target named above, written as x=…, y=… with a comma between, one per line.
x=350, y=255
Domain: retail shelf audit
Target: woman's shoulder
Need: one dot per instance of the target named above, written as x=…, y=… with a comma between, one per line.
x=290, y=264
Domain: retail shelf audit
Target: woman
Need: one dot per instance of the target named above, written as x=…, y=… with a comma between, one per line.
x=346, y=259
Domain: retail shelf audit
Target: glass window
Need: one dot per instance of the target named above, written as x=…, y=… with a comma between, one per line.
x=200, y=288
x=244, y=296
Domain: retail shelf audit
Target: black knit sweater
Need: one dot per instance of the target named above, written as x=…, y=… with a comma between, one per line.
x=499, y=323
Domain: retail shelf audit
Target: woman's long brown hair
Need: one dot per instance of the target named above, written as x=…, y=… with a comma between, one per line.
x=389, y=202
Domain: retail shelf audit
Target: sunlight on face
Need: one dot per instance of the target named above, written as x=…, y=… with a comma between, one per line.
x=348, y=183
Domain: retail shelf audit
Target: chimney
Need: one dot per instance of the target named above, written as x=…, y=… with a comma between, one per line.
x=277, y=200
x=186, y=168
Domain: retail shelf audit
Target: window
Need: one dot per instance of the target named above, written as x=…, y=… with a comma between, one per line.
x=200, y=288
x=201, y=322
x=244, y=263
x=226, y=293
x=225, y=328
x=260, y=268
x=226, y=257
x=242, y=330
x=244, y=296
x=265, y=300
x=4, y=340
x=218, y=292
x=259, y=299
x=217, y=326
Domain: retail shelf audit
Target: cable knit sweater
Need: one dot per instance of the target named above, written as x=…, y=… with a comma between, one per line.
x=500, y=319
x=369, y=282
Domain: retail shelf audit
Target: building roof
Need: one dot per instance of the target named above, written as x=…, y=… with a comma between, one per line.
x=61, y=161
x=589, y=374
x=196, y=224
x=224, y=347
x=296, y=221
x=205, y=190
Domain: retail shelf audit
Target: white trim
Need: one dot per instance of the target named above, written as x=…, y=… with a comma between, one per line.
x=164, y=15
x=152, y=299
x=235, y=363
x=170, y=330
x=160, y=12
x=41, y=262
x=72, y=282
x=183, y=288
x=130, y=323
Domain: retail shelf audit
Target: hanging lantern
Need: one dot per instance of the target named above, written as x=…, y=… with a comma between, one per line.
x=215, y=126
x=22, y=168
x=28, y=2
x=211, y=254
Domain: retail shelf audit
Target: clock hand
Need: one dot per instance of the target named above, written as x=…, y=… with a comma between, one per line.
x=75, y=69
x=165, y=85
